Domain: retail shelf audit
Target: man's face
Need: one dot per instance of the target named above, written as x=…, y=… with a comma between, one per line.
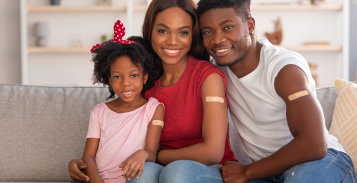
x=225, y=35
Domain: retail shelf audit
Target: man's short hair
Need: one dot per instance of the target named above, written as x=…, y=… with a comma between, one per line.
x=242, y=7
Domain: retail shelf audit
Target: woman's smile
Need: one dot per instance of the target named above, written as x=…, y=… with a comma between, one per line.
x=172, y=52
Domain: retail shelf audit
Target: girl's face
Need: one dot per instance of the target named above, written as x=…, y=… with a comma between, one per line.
x=172, y=35
x=126, y=79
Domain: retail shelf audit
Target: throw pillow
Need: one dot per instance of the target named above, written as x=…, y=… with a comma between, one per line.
x=344, y=120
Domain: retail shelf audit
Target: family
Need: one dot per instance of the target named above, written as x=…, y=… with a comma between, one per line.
x=169, y=122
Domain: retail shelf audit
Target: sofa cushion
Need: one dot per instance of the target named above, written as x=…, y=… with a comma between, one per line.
x=344, y=121
x=42, y=129
x=238, y=151
x=327, y=97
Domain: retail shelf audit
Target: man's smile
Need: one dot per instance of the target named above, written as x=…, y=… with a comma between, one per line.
x=223, y=50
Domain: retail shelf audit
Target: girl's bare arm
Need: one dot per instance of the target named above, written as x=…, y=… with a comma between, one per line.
x=89, y=153
x=154, y=133
x=136, y=161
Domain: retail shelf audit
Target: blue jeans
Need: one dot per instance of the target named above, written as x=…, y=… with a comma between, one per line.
x=178, y=172
x=334, y=167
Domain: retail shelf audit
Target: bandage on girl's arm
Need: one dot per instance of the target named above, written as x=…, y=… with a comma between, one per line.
x=158, y=123
x=154, y=132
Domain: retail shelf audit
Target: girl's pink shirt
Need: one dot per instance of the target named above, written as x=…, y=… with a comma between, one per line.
x=120, y=134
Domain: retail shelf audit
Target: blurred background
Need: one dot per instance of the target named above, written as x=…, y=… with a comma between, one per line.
x=47, y=42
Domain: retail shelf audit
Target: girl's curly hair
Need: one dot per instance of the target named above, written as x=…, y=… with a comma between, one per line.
x=109, y=51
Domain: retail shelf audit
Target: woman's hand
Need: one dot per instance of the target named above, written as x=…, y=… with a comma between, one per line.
x=134, y=164
x=74, y=168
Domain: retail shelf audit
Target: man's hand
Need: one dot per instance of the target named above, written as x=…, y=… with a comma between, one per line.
x=233, y=172
x=134, y=164
x=74, y=167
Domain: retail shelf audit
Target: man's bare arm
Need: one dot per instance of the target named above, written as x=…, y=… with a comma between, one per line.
x=305, y=121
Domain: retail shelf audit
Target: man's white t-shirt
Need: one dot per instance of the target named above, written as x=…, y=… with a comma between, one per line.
x=257, y=111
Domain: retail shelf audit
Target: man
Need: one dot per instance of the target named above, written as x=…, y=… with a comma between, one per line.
x=272, y=101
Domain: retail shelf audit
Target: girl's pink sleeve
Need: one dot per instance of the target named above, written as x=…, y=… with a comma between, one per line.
x=94, y=124
x=151, y=107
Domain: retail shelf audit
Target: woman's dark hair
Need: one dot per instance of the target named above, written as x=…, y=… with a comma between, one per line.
x=109, y=51
x=189, y=6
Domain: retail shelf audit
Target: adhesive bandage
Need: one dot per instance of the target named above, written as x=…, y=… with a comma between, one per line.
x=215, y=99
x=158, y=123
x=298, y=95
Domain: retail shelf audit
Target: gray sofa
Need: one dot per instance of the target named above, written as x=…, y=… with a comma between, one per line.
x=43, y=128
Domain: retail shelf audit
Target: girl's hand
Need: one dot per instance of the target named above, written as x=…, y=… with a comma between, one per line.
x=74, y=167
x=134, y=163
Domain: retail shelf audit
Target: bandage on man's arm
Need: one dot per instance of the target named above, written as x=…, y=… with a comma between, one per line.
x=158, y=123
x=297, y=95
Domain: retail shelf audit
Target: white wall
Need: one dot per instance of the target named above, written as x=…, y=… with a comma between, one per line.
x=73, y=69
x=10, y=57
x=353, y=41
x=69, y=69
x=76, y=68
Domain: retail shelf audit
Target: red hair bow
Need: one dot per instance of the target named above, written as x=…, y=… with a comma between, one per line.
x=119, y=33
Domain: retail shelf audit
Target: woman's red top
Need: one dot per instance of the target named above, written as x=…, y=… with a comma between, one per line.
x=183, y=107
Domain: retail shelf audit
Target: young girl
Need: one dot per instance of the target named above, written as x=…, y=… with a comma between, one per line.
x=123, y=134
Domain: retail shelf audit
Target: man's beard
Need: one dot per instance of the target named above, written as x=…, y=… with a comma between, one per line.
x=244, y=47
x=236, y=61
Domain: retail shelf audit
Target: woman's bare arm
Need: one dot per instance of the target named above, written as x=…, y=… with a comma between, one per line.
x=214, y=128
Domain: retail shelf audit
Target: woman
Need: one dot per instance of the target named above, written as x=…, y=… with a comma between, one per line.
x=194, y=142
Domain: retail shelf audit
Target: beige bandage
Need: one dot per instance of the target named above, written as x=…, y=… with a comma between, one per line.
x=298, y=95
x=214, y=99
x=158, y=123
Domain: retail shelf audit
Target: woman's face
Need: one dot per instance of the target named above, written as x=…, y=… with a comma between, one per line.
x=172, y=35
